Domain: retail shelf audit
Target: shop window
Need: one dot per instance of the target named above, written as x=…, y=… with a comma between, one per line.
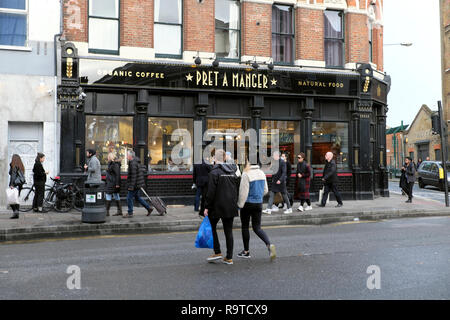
x=283, y=34
x=288, y=138
x=218, y=128
x=167, y=153
x=227, y=29
x=104, y=26
x=108, y=134
x=334, y=38
x=330, y=136
x=13, y=22
x=168, y=28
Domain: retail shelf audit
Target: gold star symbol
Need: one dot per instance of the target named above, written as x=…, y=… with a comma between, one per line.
x=274, y=82
x=189, y=77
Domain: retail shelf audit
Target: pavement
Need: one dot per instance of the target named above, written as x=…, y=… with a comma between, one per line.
x=32, y=225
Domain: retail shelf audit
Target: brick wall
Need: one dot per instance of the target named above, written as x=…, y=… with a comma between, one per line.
x=357, y=38
x=309, y=26
x=136, y=23
x=75, y=20
x=256, y=40
x=198, y=25
x=136, y=29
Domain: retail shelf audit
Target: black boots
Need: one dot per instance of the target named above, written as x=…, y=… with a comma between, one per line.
x=119, y=208
x=15, y=208
x=108, y=206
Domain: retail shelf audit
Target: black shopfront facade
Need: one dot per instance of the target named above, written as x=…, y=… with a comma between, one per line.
x=116, y=106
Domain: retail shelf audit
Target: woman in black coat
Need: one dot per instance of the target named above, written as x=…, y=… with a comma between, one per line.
x=16, y=172
x=302, y=182
x=113, y=184
x=39, y=179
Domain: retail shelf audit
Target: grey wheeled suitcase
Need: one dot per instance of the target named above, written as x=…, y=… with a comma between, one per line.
x=157, y=203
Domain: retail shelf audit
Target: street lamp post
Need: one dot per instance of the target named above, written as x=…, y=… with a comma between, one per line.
x=403, y=44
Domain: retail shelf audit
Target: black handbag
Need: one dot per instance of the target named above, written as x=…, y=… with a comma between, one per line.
x=20, y=179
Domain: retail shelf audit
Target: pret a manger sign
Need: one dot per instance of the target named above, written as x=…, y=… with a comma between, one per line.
x=229, y=79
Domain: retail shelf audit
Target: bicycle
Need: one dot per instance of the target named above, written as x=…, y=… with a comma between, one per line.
x=27, y=194
x=61, y=197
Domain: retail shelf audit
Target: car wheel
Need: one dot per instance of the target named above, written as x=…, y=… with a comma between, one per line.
x=441, y=185
x=421, y=184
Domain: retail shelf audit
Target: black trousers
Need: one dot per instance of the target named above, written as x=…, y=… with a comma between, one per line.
x=252, y=211
x=331, y=187
x=38, y=200
x=410, y=190
x=228, y=230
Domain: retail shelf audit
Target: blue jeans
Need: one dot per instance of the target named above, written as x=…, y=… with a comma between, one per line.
x=197, y=198
x=135, y=195
x=109, y=196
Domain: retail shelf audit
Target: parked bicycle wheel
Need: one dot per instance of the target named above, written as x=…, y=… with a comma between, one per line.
x=64, y=203
x=49, y=200
x=78, y=203
x=26, y=199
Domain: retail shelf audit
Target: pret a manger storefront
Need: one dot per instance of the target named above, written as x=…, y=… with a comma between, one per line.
x=116, y=106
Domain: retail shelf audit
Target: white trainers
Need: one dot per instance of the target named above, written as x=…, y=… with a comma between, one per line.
x=275, y=209
x=300, y=208
x=268, y=211
x=287, y=211
x=308, y=208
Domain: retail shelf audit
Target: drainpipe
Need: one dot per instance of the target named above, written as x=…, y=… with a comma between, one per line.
x=55, y=111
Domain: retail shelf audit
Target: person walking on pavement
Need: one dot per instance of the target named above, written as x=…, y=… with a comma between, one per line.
x=410, y=172
x=285, y=158
x=403, y=181
x=92, y=167
x=330, y=180
x=200, y=178
x=221, y=204
x=17, y=180
x=39, y=179
x=135, y=181
x=252, y=189
x=278, y=183
x=302, y=182
x=112, y=188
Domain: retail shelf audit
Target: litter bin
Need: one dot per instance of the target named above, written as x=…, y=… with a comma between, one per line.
x=94, y=210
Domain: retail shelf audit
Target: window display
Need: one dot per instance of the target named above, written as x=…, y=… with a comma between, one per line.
x=288, y=135
x=108, y=134
x=330, y=136
x=161, y=144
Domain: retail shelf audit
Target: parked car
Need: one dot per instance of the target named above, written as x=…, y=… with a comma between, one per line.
x=428, y=174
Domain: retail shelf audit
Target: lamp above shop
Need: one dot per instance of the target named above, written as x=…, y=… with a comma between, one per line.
x=198, y=60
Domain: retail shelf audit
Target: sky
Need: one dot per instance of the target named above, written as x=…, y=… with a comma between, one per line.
x=416, y=70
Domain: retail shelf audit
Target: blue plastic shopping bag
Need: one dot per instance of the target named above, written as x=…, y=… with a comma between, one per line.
x=204, y=236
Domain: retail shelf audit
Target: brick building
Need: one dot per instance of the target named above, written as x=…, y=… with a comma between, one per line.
x=420, y=142
x=395, y=147
x=311, y=69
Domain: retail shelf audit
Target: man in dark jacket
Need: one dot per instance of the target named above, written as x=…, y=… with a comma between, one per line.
x=278, y=183
x=200, y=178
x=330, y=180
x=410, y=173
x=221, y=203
x=135, y=181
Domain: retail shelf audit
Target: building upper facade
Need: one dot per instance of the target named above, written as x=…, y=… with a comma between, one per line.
x=27, y=30
x=314, y=33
